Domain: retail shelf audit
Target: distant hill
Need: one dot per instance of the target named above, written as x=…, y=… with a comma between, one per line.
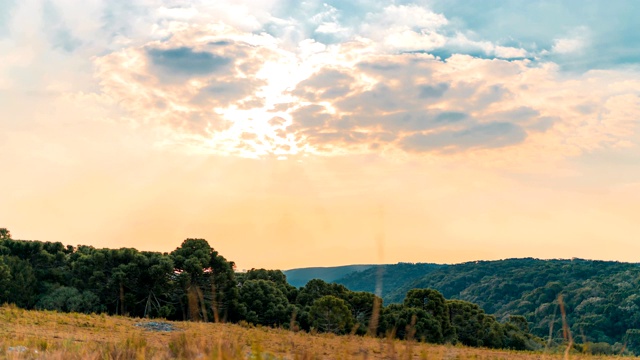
x=392, y=277
x=601, y=298
x=300, y=277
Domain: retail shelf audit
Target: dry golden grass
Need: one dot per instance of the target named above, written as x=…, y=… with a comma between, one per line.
x=51, y=335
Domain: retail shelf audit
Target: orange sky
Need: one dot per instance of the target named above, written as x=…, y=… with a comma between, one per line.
x=292, y=139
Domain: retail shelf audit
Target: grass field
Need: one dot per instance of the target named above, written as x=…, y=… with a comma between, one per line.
x=50, y=335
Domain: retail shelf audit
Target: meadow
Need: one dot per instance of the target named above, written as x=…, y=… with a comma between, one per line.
x=31, y=334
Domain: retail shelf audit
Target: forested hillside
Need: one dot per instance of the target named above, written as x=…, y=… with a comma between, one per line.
x=195, y=282
x=300, y=277
x=602, y=298
x=388, y=277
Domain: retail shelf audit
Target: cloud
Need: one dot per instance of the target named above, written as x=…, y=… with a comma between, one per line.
x=548, y=28
x=5, y=15
x=493, y=135
x=183, y=87
x=60, y=35
x=568, y=45
x=186, y=61
x=327, y=84
x=355, y=78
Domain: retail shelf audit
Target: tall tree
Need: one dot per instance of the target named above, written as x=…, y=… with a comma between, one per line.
x=433, y=303
x=331, y=314
x=262, y=302
x=207, y=282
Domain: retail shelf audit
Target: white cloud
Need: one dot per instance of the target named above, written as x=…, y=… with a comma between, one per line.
x=576, y=42
x=388, y=98
x=565, y=46
x=410, y=16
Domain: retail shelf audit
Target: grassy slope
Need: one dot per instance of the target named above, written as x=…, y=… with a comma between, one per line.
x=50, y=335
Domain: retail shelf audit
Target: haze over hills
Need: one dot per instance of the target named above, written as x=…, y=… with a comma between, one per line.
x=300, y=277
x=602, y=299
x=362, y=277
x=390, y=277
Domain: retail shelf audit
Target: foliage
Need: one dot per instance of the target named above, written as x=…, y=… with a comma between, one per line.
x=600, y=297
x=433, y=303
x=194, y=282
x=386, y=276
x=300, y=277
x=331, y=314
x=262, y=302
x=69, y=299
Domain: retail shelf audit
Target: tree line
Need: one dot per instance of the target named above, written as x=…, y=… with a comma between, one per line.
x=601, y=298
x=194, y=282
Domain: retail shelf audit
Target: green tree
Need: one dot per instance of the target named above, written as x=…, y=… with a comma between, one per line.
x=361, y=305
x=317, y=288
x=207, y=282
x=331, y=314
x=191, y=260
x=21, y=287
x=5, y=278
x=410, y=323
x=262, y=302
x=433, y=303
x=5, y=234
x=632, y=339
x=276, y=276
x=224, y=302
x=155, y=284
x=520, y=322
x=69, y=299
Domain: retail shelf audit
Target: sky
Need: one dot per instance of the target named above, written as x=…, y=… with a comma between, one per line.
x=318, y=133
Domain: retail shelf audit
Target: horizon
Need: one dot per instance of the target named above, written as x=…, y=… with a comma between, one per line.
x=237, y=269
x=324, y=132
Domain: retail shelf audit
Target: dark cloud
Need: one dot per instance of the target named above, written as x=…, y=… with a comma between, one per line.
x=383, y=67
x=221, y=43
x=430, y=91
x=451, y=117
x=419, y=120
x=186, y=61
x=346, y=139
x=492, y=135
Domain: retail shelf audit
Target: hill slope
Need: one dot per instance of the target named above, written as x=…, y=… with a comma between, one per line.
x=300, y=277
x=601, y=297
x=391, y=277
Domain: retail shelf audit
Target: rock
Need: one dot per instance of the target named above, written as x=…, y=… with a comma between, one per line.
x=157, y=326
x=19, y=349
